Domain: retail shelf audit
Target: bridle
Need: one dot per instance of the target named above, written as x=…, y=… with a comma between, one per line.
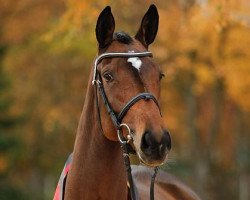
x=117, y=118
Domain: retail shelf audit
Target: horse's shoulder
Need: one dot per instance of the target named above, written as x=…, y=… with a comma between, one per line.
x=166, y=185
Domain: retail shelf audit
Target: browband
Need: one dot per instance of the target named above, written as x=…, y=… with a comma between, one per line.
x=115, y=55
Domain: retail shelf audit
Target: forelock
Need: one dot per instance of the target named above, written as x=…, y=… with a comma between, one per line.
x=122, y=37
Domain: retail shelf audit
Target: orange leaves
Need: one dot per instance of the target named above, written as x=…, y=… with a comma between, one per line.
x=3, y=164
x=205, y=79
x=238, y=82
x=203, y=48
x=235, y=66
x=24, y=18
x=79, y=15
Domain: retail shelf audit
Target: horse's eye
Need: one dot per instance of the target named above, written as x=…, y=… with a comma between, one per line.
x=161, y=76
x=108, y=77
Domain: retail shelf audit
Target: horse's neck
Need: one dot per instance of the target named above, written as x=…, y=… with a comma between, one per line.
x=97, y=170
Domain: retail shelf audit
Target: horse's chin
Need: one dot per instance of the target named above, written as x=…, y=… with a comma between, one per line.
x=151, y=162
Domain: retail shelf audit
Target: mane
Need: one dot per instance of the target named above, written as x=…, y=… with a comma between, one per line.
x=122, y=37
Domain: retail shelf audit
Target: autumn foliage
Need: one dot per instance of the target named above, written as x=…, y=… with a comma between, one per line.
x=46, y=52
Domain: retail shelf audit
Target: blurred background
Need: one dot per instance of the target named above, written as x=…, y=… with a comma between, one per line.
x=46, y=52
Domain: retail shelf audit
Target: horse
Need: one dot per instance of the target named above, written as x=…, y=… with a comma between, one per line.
x=122, y=107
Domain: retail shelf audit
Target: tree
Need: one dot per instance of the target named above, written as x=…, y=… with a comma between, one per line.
x=10, y=145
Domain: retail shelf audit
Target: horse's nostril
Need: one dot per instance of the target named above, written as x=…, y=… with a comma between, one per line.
x=151, y=147
x=145, y=143
x=166, y=139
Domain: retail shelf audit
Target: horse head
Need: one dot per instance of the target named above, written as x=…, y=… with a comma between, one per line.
x=125, y=77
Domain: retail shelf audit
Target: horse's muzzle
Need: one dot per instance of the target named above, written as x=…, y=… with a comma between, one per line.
x=153, y=149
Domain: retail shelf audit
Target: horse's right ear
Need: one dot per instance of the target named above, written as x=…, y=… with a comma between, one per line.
x=105, y=27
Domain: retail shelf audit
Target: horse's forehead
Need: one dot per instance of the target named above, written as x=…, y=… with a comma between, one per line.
x=117, y=46
x=135, y=46
x=140, y=65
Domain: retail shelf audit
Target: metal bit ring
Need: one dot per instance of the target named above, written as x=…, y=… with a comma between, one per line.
x=120, y=135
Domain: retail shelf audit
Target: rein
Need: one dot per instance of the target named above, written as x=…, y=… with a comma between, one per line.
x=117, y=118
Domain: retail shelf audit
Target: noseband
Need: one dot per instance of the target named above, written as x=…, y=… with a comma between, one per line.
x=117, y=118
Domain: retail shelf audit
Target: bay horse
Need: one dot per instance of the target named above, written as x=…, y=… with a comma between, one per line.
x=122, y=97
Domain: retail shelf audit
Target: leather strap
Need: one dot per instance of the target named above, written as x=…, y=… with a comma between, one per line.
x=152, y=196
x=117, y=55
x=106, y=103
x=125, y=153
x=145, y=96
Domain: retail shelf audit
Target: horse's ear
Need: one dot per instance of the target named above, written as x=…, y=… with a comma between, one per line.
x=149, y=26
x=105, y=27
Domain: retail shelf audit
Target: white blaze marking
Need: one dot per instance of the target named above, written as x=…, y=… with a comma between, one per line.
x=135, y=61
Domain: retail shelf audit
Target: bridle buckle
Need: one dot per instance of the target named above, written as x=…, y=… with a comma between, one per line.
x=147, y=97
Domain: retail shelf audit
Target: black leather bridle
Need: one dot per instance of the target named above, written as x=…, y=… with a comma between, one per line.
x=117, y=118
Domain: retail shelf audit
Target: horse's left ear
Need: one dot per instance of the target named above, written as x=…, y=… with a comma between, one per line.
x=149, y=26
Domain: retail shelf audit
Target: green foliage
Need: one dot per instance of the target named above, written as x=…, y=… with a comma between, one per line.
x=8, y=141
x=8, y=192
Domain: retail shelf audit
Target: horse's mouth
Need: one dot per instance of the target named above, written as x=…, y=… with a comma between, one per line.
x=151, y=162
